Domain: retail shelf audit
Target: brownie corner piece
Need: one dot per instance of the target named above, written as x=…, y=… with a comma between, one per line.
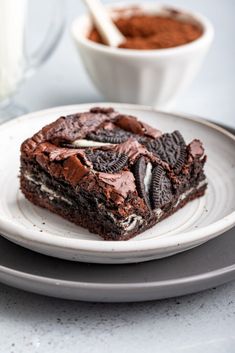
x=111, y=173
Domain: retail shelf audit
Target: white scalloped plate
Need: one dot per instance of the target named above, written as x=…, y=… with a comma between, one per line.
x=198, y=222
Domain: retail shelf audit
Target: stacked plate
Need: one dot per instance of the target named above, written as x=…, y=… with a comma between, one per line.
x=117, y=271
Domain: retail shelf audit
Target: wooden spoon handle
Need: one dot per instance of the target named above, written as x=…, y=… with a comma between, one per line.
x=107, y=29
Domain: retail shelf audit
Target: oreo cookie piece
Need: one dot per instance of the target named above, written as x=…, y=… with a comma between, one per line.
x=143, y=140
x=171, y=148
x=157, y=148
x=161, y=192
x=139, y=171
x=107, y=161
x=114, y=136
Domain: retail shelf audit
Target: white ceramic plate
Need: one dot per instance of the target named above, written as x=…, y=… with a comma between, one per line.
x=201, y=220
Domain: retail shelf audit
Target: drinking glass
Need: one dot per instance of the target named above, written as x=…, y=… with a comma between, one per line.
x=16, y=61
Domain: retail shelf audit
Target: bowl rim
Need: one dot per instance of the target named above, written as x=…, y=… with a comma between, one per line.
x=204, y=40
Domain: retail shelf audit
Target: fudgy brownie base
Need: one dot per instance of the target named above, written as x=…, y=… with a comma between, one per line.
x=43, y=191
x=80, y=217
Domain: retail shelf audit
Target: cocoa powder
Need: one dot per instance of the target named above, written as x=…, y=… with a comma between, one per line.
x=152, y=32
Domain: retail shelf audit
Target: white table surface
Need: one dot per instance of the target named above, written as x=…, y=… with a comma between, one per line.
x=203, y=322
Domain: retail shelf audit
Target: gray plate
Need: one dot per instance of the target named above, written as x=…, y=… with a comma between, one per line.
x=206, y=266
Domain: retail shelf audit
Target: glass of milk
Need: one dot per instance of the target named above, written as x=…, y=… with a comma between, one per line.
x=16, y=64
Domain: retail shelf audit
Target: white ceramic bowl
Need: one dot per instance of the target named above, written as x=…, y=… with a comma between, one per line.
x=152, y=77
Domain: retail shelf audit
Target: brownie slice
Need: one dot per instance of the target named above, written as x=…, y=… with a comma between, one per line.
x=111, y=173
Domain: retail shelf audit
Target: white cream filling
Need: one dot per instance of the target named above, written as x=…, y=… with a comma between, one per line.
x=158, y=212
x=131, y=221
x=53, y=194
x=148, y=177
x=186, y=193
x=89, y=143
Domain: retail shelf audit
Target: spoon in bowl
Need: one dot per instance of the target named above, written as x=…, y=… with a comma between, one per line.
x=107, y=29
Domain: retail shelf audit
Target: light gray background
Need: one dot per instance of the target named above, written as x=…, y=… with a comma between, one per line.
x=197, y=323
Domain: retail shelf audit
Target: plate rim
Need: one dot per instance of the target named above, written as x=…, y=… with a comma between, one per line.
x=96, y=246
x=109, y=286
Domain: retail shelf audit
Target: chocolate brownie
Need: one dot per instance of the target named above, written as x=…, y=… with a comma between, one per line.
x=111, y=173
